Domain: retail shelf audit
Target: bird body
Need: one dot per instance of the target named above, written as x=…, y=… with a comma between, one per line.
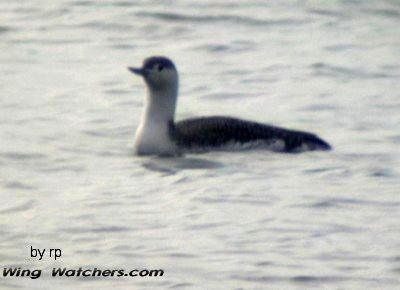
x=158, y=134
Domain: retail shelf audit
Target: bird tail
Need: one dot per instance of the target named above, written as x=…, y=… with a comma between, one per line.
x=316, y=143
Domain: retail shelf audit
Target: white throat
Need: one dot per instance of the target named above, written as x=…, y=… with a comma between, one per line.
x=153, y=135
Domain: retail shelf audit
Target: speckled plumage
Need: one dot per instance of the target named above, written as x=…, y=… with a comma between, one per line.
x=218, y=131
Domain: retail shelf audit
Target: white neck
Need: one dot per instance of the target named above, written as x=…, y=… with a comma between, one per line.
x=153, y=135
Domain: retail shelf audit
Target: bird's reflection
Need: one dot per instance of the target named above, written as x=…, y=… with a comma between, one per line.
x=172, y=165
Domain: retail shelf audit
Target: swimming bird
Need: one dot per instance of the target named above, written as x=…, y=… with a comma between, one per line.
x=159, y=134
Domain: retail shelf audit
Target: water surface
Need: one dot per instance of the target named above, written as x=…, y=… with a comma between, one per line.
x=222, y=220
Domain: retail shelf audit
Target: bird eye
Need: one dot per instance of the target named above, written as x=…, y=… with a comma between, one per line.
x=160, y=67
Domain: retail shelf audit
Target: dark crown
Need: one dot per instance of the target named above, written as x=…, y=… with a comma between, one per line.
x=150, y=62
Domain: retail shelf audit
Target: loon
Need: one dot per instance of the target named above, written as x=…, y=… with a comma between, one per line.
x=159, y=134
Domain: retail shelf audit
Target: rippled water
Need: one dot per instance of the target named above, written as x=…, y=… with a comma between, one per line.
x=243, y=220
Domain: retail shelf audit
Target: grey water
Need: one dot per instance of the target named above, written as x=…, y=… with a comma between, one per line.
x=220, y=220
